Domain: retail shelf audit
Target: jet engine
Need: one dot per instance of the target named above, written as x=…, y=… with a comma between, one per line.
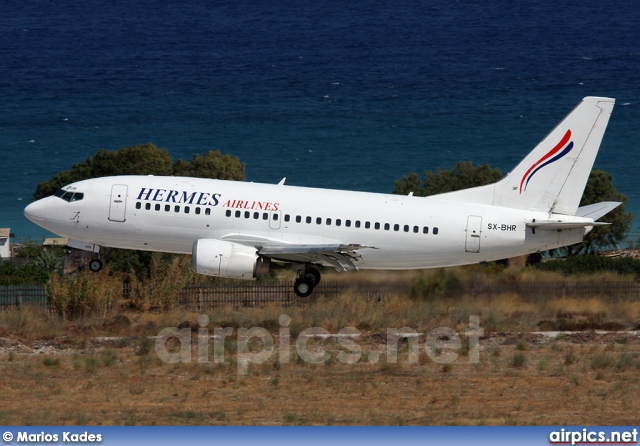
x=226, y=259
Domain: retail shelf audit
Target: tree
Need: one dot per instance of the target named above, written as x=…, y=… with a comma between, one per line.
x=50, y=260
x=211, y=165
x=462, y=176
x=600, y=188
x=27, y=274
x=144, y=159
x=465, y=175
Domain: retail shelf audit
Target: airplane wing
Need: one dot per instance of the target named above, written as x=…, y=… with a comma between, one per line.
x=341, y=257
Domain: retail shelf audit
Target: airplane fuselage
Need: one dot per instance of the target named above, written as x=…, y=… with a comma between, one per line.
x=241, y=230
x=169, y=214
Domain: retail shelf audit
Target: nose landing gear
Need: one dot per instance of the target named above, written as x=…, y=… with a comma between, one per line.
x=95, y=265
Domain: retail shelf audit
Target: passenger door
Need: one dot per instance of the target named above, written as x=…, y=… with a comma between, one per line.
x=474, y=231
x=118, y=206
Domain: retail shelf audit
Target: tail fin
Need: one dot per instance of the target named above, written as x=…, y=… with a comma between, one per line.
x=553, y=176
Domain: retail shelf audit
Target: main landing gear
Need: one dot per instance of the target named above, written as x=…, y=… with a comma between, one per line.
x=306, y=281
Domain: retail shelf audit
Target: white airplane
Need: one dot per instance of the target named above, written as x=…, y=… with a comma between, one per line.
x=241, y=230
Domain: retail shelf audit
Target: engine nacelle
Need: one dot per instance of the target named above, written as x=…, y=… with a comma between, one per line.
x=224, y=259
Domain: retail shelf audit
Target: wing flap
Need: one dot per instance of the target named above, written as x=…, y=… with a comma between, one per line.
x=341, y=257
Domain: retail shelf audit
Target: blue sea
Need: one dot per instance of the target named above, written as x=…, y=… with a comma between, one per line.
x=334, y=94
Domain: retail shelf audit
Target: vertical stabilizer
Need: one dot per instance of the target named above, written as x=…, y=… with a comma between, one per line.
x=553, y=176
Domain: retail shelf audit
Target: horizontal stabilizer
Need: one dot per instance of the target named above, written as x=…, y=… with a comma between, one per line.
x=560, y=225
x=597, y=210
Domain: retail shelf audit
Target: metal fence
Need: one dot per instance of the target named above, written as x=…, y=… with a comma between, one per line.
x=19, y=295
x=245, y=294
x=252, y=294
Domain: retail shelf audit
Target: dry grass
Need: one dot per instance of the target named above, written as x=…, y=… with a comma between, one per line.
x=102, y=368
x=586, y=379
x=63, y=373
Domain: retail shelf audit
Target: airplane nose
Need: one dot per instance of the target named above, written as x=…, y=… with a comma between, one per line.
x=37, y=211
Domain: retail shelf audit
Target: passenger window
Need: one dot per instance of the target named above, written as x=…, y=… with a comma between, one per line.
x=396, y=227
x=147, y=206
x=347, y=223
x=138, y=205
x=298, y=219
x=328, y=222
x=435, y=231
x=287, y=217
x=265, y=216
x=308, y=219
x=238, y=214
x=197, y=211
x=318, y=220
x=247, y=214
x=416, y=229
x=208, y=212
x=338, y=222
x=177, y=209
x=425, y=230
x=157, y=207
x=406, y=228
x=387, y=226
x=167, y=207
x=367, y=225
x=377, y=226
x=275, y=217
x=357, y=223
x=256, y=215
x=187, y=209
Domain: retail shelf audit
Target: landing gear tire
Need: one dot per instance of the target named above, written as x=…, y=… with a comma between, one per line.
x=303, y=287
x=313, y=275
x=95, y=265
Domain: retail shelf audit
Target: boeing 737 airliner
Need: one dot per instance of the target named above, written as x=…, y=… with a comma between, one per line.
x=241, y=230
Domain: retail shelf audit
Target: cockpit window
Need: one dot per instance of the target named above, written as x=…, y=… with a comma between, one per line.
x=69, y=196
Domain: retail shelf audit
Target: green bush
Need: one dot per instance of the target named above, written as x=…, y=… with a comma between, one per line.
x=519, y=360
x=591, y=264
x=429, y=285
x=27, y=274
x=85, y=294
